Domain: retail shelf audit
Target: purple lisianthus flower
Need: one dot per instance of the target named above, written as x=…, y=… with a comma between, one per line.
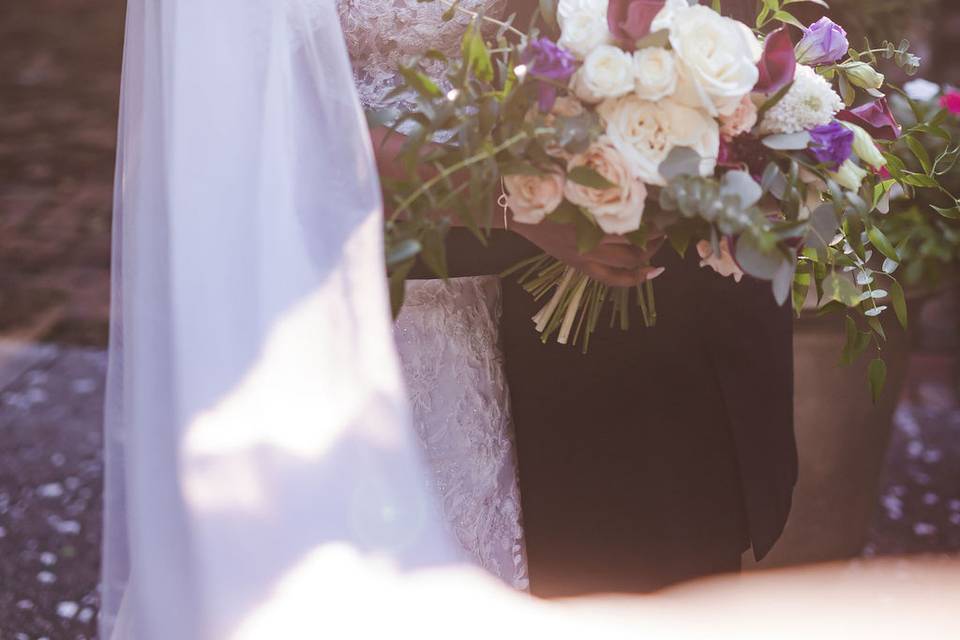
x=823, y=43
x=547, y=61
x=629, y=20
x=876, y=117
x=778, y=65
x=831, y=144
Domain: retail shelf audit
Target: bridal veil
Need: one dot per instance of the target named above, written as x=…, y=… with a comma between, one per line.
x=255, y=414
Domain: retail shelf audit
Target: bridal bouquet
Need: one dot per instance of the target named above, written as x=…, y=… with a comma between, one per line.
x=769, y=148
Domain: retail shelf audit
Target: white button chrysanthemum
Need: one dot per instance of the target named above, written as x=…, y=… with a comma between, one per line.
x=811, y=102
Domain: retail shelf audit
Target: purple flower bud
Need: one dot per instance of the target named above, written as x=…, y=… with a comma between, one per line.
x=547, y=61
x=778, y=65
x=831, y=144
x=875, y=117
x=629, y=20
x=823, y=43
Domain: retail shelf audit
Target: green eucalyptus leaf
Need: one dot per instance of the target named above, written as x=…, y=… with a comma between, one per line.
x=682, y=161
x=882, y=243
x=783, y=281
x=402, y=251
x=898, y=299
x=476, y=55
x=756, y=261
x=787, y=141
x=589, y=235
x=920, y=153
x=823, y=227
x=587, y=177
x=841, y=289
x=566, y=213
x=741, y=184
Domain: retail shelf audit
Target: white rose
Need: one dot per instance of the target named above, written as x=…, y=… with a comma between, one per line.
x=531, y=197
x=646, y=132
x=583, y=32
x=607, y=72
x=618, y=209
x=655, y=72
x=716, y=55
x=566, y=9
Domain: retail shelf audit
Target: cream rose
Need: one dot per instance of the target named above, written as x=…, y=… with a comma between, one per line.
x=618, y=209
x=742, y=120
x=655, y=73
x=646, y=132
x=584, y=31
x=531, y=197
x=606, y=73
x=724, y=264
x=715, y=55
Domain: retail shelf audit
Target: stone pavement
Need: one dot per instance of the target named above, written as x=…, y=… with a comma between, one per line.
x=51, y=470
x=51, y=479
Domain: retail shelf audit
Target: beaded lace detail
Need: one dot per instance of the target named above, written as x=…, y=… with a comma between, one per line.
x=382, y=33
x=447, y=335
x=448, y=332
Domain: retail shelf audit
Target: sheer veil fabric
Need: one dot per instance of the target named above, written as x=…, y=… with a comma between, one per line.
x=255, y=415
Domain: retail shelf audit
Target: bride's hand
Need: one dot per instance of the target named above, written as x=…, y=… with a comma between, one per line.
x=615, y=261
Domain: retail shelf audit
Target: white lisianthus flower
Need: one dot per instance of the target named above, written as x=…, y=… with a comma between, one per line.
x=810, y=102
x=864, y=146
x=849, y=176
x=922, y=90
x=655, y=72
x=646, y=132
x=531, y=198
x=618, y=209
x=567, y=9
x=607, y=72
x=717, y=56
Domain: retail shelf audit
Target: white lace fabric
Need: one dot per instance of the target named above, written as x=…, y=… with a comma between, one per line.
x=447, y=336
x=448, y=332
x=380, y=34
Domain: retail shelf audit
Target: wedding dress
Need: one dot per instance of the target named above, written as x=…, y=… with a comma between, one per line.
x=447, y=334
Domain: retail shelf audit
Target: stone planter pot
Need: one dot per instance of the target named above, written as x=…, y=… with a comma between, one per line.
x=842, y=440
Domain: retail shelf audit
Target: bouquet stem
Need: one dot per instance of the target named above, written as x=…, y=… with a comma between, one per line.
x=576, y=300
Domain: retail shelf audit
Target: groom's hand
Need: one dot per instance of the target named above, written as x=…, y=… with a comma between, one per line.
x=615, y=261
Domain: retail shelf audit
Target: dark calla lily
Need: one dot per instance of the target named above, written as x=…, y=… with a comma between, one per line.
x=876, y=117
x=629, y=20
x=778, y=65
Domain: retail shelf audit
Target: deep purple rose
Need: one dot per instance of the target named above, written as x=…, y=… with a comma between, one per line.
x=823, y=43
x=546, y=61
x=831, y=144
x=629, y=20
x=778, y=65
x=875, y=117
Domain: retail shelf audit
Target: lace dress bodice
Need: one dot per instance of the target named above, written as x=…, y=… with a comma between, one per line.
x=448, y=332
x=381, y=33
